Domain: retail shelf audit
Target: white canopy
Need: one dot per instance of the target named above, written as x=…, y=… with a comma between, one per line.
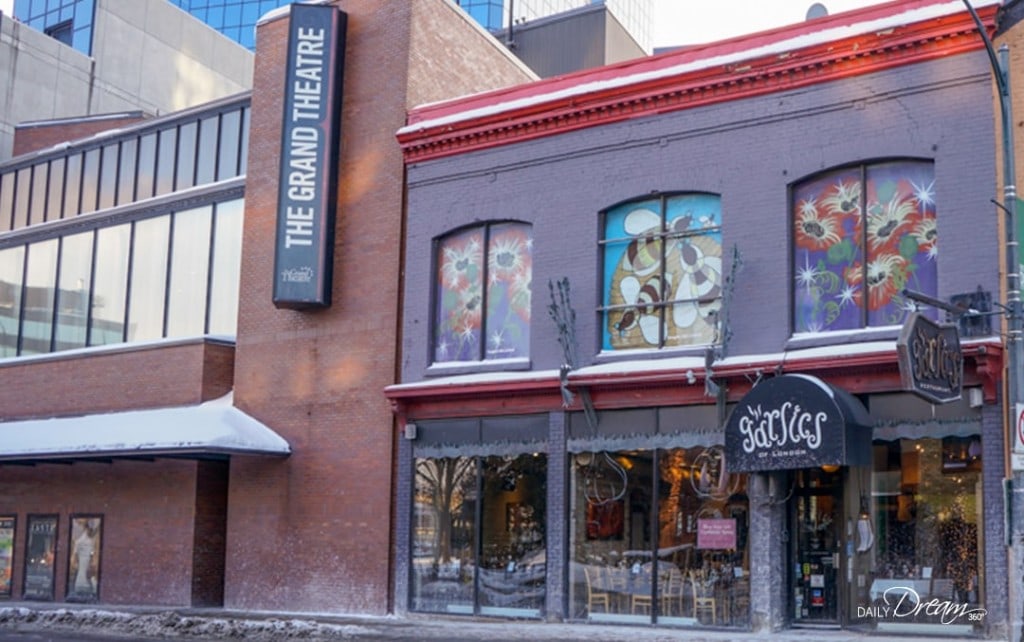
x=211, y=428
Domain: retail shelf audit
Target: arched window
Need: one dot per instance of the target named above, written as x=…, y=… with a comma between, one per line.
x=482, y=305
x=861, y=235
x=662, y=272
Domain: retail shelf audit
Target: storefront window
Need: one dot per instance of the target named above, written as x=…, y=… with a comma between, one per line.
x=659, y=535
x=926, y=507
x=498, y=501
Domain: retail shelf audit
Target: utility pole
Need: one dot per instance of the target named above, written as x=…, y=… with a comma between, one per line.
x=1014, y=347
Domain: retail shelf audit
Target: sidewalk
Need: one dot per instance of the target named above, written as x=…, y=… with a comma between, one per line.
x=217, y=624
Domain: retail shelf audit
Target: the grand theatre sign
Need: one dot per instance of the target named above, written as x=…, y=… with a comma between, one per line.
x=304, y=252
x=797, y=421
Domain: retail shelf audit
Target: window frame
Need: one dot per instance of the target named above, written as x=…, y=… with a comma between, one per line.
x=664, y=305
x=481, y=359
x=863, y=170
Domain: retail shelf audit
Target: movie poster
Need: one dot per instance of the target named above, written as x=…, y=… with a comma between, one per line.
x=6, y=554
x=39, y=555
x=84, y=558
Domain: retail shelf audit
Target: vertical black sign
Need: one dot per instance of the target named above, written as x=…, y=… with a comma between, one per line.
x=304, y=254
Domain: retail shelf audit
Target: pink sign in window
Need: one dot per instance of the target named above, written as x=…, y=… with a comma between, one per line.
x=716, y=533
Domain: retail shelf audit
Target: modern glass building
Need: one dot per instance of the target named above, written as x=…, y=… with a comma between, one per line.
x=236, y=19
x=70, y=21
x=128, y=237
x=635, y=15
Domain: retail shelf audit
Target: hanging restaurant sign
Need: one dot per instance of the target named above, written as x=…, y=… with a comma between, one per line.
x=307, y=190
x=796, y=421
x=930, y=360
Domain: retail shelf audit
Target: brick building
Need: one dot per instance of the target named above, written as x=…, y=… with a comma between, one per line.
x=168, y=435
x=652, y=330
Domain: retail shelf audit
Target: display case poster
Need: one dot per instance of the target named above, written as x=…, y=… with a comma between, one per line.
x=716, y=533
x=84, y=558
x=39, y=555
x=6, y=554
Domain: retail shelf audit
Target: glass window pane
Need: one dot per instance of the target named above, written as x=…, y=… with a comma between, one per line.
x=693, y=269
x=6, y=200
x=227, y=264
x=697, y=493
x=108, y=176
x=828, y=253
x=185, y=175
x=511, y=579
x=40, y=289
x=610, y=567
x=243, y=147
x=460, y=275
x=227, y=158
x=902, y=239
x=74, y=284
x=147, y=164
x=190, y=261
x=12, y=269
x=126, y=172
x=166, y=149
x=148, y=279
x=444, y=527
x=22, y=197
x=632, y=256
x=206, y=157
x=55, y=203
x=922, y=528
x=37, y=207
x=110, y=286
x=73, y=186
x=509, y=281
x=90, y=180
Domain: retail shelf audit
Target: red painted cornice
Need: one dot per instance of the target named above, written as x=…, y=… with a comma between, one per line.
x=662, y=83
x=657, y=385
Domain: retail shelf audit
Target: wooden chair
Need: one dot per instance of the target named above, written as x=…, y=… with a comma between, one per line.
x=671, y=592
x=641, y=601
x=595, y=598
x=703, y=597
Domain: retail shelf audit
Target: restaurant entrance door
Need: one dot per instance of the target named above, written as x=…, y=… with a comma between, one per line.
x=816, y=517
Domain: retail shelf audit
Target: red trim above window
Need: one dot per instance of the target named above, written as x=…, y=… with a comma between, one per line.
x=648, y=86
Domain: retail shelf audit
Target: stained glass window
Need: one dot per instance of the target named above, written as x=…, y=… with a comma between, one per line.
x=662, y=272
x=861, y=236
x=484, y=279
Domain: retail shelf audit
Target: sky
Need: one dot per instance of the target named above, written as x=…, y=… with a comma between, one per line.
x=688, y=22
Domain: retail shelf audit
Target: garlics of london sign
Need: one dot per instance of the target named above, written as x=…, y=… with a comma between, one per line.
x=931, y=363
x=796, y=421
x=307, y=191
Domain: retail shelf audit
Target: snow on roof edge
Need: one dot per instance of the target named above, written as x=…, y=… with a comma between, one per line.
x=802, y=40
x=215, y=426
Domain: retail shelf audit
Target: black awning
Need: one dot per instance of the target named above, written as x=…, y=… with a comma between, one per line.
x=797, y=421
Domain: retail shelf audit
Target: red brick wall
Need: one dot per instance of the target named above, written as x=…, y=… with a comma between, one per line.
x=151, y=376
x=313, y=532
x=148, y=517
x=210, y=533
x=31, y=138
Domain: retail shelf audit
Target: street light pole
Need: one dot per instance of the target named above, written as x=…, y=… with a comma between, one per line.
x=1015, y=347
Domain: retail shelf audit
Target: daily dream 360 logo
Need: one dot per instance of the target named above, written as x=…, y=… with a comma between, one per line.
x=900, y=602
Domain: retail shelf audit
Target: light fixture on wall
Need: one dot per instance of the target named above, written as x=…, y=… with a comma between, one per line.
x=830, y=468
